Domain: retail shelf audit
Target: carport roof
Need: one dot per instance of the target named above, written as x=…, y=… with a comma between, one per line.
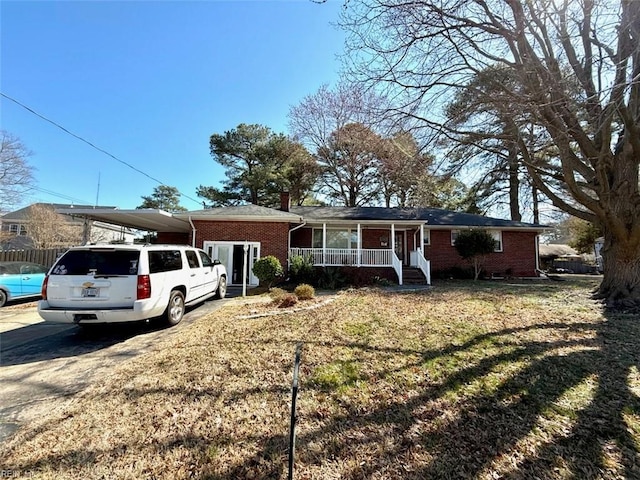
x=141, y=219
x=159, y=220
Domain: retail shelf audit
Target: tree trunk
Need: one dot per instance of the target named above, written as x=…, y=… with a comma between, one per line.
x=536, y=204
x=620, y=287
x=477, y=267
x=620, y=219
x=513, y=163
x=514, y=187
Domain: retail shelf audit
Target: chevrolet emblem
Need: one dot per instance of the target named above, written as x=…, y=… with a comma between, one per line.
x=88, y=284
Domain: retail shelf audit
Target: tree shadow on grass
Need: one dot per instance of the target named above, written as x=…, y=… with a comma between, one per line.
x=548, y=401
x=565, y=412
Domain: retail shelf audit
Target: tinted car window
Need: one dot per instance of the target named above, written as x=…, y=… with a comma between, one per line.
x=31, y=268
x=206, y=261
x=9, y=269
x=164, y=261
x=192, y=258
x=100, y=262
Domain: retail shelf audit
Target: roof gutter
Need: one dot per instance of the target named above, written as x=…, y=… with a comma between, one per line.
x=193, y=232
x=289, y=241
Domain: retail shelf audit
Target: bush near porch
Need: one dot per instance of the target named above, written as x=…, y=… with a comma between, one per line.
x=301, y=270
x=333, y=278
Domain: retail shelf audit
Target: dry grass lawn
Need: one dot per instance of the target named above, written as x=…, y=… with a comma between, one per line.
x=482, y=380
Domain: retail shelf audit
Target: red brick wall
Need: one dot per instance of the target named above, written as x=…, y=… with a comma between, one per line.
x=273, y=236
x=302, y=238
x=371, y=238
x=518, y=256
x=172, y=238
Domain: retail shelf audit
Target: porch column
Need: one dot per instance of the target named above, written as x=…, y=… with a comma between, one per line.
x=393, y=241
x=324, y=244
x=359, y=252
x=422, y=238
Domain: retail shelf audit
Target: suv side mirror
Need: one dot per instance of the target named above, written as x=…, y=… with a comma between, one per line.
x=217, y=262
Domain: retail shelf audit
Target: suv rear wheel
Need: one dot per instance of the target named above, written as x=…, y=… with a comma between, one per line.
x=175, y=309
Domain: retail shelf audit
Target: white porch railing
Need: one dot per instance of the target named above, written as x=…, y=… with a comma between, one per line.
x=397, y=266
x=364, y=257
x=424, y=265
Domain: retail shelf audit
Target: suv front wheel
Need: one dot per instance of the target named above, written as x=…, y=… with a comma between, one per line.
x=175, y=309
x=221, y=292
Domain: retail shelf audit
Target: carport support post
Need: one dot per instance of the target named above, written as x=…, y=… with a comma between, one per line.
x=244, y=269
x=86, y=230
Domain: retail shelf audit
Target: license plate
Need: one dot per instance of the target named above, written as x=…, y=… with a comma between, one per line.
x=90, y=292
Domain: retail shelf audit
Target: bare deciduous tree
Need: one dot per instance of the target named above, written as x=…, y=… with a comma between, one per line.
x=576, y=68
x=48, y=229
x=350, y=164
x=320, y=114
x=16, y=175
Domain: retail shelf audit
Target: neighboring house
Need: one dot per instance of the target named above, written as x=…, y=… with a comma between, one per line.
x=14, y=227
x=390, y=242
x=559, y=258
x=548, y=252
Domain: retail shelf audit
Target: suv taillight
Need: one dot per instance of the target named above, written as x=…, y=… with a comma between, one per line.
x=43, y=292
x=144, y=287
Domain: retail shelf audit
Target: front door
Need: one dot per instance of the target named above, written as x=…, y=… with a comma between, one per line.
x=399, y=246
x=231, y=255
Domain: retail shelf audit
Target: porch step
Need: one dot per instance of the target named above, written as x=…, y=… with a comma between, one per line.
x=413, y=276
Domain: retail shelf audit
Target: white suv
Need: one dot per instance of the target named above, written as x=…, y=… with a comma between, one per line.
x=122, y=283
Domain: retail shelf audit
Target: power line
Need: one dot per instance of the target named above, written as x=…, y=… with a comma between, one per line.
x=91, y=144
x=60, y=195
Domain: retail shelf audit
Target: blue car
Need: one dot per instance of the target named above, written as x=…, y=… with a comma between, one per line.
x=20, y=280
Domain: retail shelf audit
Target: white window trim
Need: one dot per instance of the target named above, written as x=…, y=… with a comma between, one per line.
x=454, y=235
x=17, y=229
x=427, y=237
x=351, y=232
x=496, y=234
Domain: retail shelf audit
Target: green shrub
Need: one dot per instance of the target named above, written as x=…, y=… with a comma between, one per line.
x=289, y=300
x=381, y=281
x=268, y=269
x=301, y=269
x=305, y=291
x=474, y=246
x=332, y=278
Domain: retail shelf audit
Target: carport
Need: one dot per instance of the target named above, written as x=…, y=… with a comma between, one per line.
x=150, y=220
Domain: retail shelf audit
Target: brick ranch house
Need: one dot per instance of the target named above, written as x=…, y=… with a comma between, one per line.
x=401, y=244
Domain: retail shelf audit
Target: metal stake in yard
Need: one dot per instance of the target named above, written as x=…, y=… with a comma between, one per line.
x=294, y=395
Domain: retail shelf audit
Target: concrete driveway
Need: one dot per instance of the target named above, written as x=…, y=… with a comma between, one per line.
x=42, y=365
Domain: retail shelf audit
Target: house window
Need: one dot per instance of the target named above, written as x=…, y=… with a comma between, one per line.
x=454, y=236
x=427, y=237
x=336, y=238
x=17, y=229
x=496, y=234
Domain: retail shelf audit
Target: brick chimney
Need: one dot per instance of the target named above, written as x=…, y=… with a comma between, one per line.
x=285, y=201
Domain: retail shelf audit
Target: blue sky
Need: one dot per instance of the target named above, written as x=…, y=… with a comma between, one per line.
x=149, y=82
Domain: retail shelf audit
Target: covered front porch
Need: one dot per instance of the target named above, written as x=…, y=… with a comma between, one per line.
x=393, y=245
